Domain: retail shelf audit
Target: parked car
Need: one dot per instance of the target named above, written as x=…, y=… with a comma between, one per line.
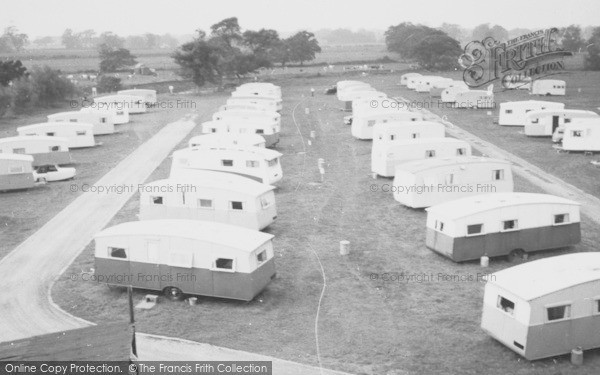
x=51, y=173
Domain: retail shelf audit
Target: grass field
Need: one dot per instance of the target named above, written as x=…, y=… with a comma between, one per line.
x=366, y=325
x=77, y=61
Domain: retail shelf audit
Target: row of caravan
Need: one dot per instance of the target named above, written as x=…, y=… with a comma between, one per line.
x=578, y=130
x=200, y=229
x=39, y=151
x=449, y=91
x=253, y=109
x=537, y=309
x=435, y=172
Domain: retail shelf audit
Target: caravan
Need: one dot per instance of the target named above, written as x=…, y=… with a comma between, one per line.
x=149, y=96
x=261, y=87
x=362, y=125
x=210, y=196
x=234, y=126
x=441, y=84
x=515, y=113
x=16, y=172
x=582, y=135
x=257, y=163
x=255, y=103
x=545, y=308
x=117, y=116
x=267, y=118
x=78, y=135
x=266, y=100
x=227, y=139
x=424, y=183
x=428, y=82
x=392, y=154
x=546, y=123
x=102, y=122
x=181, y=257
x=548, y=87
x=133, y=104
x=397, y=131
x=474, y=99
x=500, y=224
x=45, y=150
x=449, y=94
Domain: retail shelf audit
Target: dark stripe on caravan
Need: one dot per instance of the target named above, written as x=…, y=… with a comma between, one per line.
x=502, y=243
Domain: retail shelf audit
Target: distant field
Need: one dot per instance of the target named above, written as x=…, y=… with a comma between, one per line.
x=75, y=61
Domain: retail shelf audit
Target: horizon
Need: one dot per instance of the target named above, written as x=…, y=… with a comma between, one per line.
x=285, y=17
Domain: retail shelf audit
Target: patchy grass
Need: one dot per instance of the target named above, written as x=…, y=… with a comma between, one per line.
x=367, y=325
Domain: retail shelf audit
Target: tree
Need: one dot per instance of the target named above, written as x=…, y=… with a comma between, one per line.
x=43, y=41
x=227, y=31
x=483, y=31
x=111, y=40
x=403, y=38
x=168, y=41
x=48, y=87
x=592, y=60
x=82, y=40
x=199, y=60
x=112, y=59
x=302, y=46
x=12, y=40
x=10, y=71
x=454, y=31
x=152, y=40
x=571, y=38
x=439, y=51
x=263, y=44
x=109, y=84
x=70, y=40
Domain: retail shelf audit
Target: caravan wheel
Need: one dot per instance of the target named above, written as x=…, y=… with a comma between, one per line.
x=173, y=293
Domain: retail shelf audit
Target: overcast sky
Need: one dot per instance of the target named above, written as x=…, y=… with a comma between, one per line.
x=129, y=17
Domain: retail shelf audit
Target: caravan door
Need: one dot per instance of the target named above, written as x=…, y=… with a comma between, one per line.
x=145, y=271
x=555, y=122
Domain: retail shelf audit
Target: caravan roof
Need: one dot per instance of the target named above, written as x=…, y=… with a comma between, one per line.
x=35, y=138
x=216, y=180
x=545, y=276
x=464, y=207
x=561, y=112
x=266, y=153
x=422, y=165
x=223, y=234
x=17, y=157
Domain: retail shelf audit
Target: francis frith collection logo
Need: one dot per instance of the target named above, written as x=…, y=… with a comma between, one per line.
x=515, y=61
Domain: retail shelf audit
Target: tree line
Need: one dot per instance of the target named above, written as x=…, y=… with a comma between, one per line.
x=439, y=48
x=229, y=52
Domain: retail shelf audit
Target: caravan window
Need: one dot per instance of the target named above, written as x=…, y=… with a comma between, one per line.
x=252, y=163
x=370, y=123
x=510, y=111
x=509, y=225
x=18, y=150
x=561, y=218
x=224, y=264
x=430, y=153
x=272, y=162
x=51, y=134
x=597, y=306
x=236, y=205
x=16, y=170
x=117, y=252
x=576, y=133
x=498, y=174
x=392, y=137
x=535, y=120
x=205, y=203
x=506, y=305
x=82, y=132
x=213, y=130
x=414, y=135
x=103, y=120
x=439, y=225
x=260, y=131
x=262, y=256
x=227, y=163
x=264, y=202
x=555, y=313
x=461, y=151
x=156, y=200
x=474, y=229
x=567, y=120
x=54, y=148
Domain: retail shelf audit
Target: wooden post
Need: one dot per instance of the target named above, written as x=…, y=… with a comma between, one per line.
x=132, y=319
